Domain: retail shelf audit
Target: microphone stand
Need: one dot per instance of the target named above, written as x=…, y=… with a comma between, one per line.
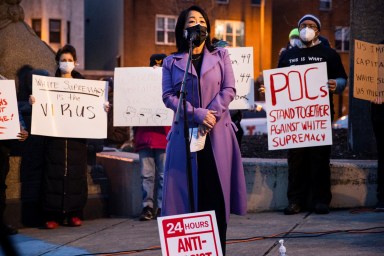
x=182, y=100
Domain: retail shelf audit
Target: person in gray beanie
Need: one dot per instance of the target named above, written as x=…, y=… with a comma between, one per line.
x=309, y=173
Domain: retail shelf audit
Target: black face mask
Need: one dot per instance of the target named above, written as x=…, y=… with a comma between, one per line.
x=197, y=34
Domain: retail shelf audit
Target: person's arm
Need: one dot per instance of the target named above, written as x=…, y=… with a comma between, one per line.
x=171, y=91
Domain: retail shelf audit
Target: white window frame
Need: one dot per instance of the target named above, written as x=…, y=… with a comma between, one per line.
x=221, y=31
x=325, y=5
x=343, y=38
x=165, y=29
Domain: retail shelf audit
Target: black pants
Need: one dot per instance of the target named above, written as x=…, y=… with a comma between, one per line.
x=378, y=128
x=309, y=174
x=210, y=194
x=4, y=169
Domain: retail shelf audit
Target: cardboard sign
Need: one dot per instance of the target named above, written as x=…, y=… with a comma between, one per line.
x=368, y=80
x=242, y=64
x=297, y=104
x=137, y=98
x=67, y=107
x=9, y=114
x=190, y=235
x=138, y=92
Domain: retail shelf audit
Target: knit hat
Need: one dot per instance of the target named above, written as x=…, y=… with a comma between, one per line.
x=312, y=18
x=156, y=59
x=294, y=32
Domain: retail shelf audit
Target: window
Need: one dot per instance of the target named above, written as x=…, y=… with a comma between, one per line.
x=54, y=31
x=165, y=29
x=36, y=26
x=342, y=39
x=255, y=2
x=222, y=1
x=230, y=31
x=325, y=5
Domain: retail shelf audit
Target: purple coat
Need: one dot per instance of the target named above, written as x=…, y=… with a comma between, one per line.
x=218, y=90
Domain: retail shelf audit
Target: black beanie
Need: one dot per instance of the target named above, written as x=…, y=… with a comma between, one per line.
x=156, y=59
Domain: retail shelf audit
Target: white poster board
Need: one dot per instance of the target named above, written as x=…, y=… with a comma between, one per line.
x=297, y=104
x=137, y=98
x=242, y=64
x=9, y=114
x=368, y=78
x=67, y=107
x=189, y=234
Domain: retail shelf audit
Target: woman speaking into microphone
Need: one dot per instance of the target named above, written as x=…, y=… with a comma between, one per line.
x=217, y=172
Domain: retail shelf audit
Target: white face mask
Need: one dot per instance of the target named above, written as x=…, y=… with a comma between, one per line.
x=307, y=34
x=66, y=67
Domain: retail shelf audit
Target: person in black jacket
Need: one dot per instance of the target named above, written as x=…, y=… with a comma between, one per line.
x=309, y=168
x=64, y=186
x=377, y=117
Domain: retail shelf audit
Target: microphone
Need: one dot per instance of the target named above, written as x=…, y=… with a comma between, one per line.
x=191, y=35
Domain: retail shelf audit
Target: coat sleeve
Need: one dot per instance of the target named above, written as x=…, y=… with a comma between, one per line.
x=171, y=98
x=227, y=93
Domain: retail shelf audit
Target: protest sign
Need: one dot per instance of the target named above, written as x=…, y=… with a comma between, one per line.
x=242, y=64
x=9, y=115
x=189, y=234
x=297, y=104
x=67, y=107
x=368, y=82
x=137, y=98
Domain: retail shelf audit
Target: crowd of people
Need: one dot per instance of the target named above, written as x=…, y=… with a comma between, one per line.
x=176, y=179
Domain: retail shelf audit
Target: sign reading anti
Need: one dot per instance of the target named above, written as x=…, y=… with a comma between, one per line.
x=368, y=81
x=297, y=103
x=9, y=115
x=193, y=234
x=242, y=64
x=72, y=108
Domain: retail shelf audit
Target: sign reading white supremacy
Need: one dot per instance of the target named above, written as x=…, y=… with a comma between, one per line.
x=72, y=108
x=189, y=234
x=9, y=115
x=297, y=103
x=242, y=64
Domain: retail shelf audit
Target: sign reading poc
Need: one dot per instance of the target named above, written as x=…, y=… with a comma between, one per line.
x=192, y=234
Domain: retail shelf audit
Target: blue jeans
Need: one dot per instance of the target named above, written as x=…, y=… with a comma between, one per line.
x=152, y=163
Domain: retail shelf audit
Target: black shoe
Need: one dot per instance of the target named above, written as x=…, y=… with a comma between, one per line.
x=321, y=208
x=379, y=207
x=8, y=230
x=292, y=209
x=146, y=214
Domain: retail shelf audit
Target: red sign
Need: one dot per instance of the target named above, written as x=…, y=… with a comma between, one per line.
x=194, y=234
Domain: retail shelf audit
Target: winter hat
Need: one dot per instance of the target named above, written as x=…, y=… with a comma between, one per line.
x=294, y=32
x=312, y=18
x=156, y=59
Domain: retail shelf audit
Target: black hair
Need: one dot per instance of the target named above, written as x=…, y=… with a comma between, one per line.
x=66, y=49
x=182, y=43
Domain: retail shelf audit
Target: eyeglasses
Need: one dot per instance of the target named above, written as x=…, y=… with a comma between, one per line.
x=312, y=26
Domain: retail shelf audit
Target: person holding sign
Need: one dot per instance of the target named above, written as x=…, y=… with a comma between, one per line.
x=309, y=168
x=217, y=170
x=5, y=149
x=64, y=185
x=150, y=142
x=377, y=117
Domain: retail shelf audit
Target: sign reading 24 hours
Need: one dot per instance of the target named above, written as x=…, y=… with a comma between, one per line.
x=194, y=234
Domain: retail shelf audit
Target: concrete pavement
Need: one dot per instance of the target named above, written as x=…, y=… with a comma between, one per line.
x=340, y=233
